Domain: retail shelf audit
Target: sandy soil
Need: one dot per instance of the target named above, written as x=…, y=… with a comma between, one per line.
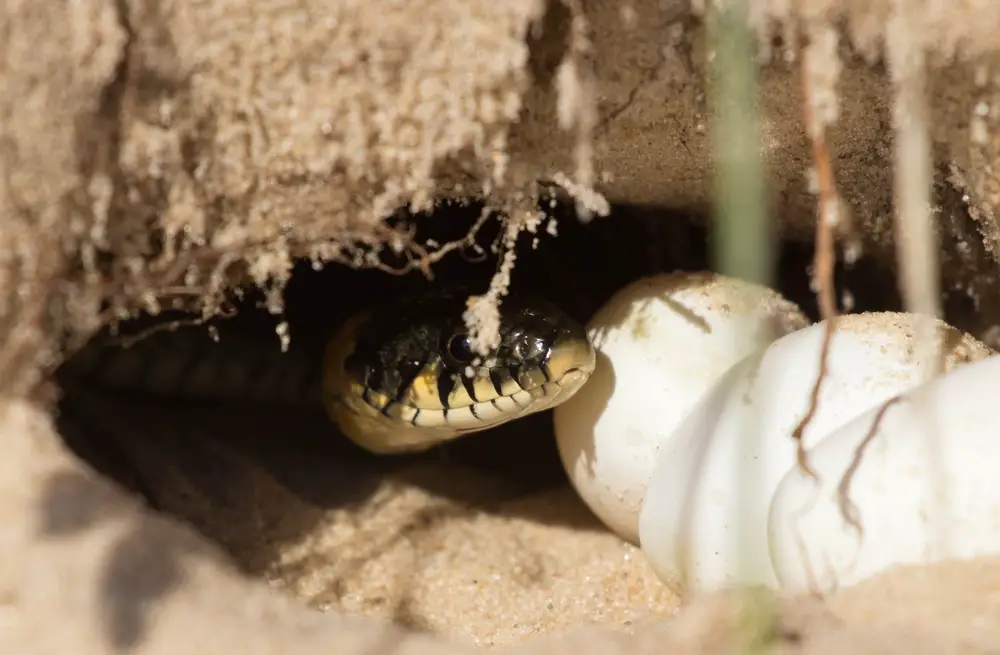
x=168, y=150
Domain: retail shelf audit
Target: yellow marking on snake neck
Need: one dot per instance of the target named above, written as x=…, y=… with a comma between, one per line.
x=423, y=393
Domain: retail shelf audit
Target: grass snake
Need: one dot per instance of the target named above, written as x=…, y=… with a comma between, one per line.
x=398, y=377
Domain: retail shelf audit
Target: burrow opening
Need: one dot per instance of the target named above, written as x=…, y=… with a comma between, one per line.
x=212, y=463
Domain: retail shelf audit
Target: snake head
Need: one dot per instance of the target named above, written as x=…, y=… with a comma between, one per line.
x=404, y=377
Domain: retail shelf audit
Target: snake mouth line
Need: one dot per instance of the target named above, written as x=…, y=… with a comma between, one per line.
x=401, y=428
x=478, y=414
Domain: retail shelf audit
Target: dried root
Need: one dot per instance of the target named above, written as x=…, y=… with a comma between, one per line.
x=820, y=110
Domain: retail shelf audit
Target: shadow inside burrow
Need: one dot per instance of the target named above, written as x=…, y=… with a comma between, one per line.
x=579, y=267
x=257, y=479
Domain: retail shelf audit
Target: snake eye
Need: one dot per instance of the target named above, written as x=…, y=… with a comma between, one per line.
x=460, y=349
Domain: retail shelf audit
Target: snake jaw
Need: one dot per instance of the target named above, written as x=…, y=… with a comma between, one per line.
x=393, y=385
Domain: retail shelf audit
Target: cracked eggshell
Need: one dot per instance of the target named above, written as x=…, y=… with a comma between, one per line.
x=661, y=343
x=918, y=500
x=703, y=524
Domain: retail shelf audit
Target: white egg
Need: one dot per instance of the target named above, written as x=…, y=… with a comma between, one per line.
x=661, y=343
x=703, y=524
x=924, y=488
